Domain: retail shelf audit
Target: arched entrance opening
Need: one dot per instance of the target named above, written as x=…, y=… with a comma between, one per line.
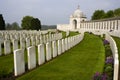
x=75, y=24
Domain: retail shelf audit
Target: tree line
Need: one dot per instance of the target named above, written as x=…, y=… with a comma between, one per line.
x=101, y=14
x=27, y=23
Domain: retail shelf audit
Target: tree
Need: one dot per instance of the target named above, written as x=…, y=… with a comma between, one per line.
x=8, y=26
x=13, y=26
x=117, y=12
x=26, y=22
x=2, y=23
x=109, y=14
x=35, y=24
x=98, y=14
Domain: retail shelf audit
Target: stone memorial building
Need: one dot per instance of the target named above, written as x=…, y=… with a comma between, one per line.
x=79, y=22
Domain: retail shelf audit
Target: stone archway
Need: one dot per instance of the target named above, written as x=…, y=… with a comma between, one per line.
x=75, y=24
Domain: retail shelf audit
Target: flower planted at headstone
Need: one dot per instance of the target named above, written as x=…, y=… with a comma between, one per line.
x=104, y=77
x=109, y=60
x=105, y=42
x=97, y=76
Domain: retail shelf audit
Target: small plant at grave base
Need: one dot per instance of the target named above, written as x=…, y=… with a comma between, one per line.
x=109, y=60
x=104, y=77
x=105, y=42
x=108, y=70
x=98, y=76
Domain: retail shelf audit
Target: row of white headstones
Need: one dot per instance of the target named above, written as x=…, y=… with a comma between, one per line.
x=25, y=38
x=53, y=49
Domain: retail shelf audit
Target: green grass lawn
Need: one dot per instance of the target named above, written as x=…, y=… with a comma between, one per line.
x=78, y=63
x=71, y=34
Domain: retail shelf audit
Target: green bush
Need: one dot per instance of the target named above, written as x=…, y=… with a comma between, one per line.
x=108, y=70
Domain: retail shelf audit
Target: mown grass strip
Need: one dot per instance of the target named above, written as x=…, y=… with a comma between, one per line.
x=78, y=63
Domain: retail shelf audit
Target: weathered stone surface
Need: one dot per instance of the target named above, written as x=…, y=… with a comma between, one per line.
x=59, y=47
x=54, y=49
x=41, y=54
x=31, y=57
x=19, y=62
x=27, y=42
x=48, y=51
x=15, y=44
x=7, y=47
x=63, y=45
x=0, y=49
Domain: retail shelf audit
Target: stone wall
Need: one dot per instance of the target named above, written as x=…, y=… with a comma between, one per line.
x=64, y=27
x=107, y=25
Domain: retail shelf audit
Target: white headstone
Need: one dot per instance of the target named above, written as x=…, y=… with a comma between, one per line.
x=27, y=42
x=22, y=43
x=59, y=47
x=37, y=40
x=41, y=54
x=0, y=49
x=31, y=57
x=54, y=48
x=15, y=44
x=63, y=45
x=33, y=40
x=66, y=44
x=7, y=47
x=44, y=39
x=19, y=63
x=48, y=51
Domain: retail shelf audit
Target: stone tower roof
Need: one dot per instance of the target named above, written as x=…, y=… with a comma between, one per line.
x=78, y=13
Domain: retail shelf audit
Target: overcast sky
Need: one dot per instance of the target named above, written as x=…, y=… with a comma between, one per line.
x=52, y=12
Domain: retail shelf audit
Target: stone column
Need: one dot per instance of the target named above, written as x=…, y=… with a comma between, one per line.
x=54, y=48
x=98, y=25
x=41, y=54
x=109, y=26
x=48, y=51
x=19, y=62
x=115, y=25
x=7, y=47
x=118, y=26
x=31, y=57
